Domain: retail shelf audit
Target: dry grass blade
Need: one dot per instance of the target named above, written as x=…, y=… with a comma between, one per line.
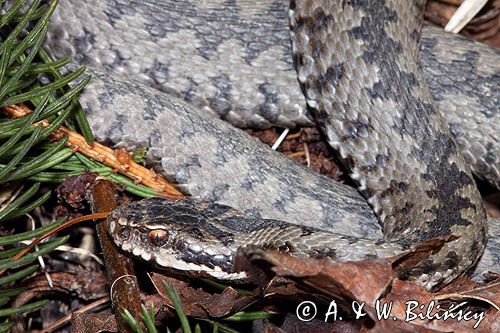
x=464, y=14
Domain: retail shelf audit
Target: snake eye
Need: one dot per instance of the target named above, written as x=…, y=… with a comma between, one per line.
x=158, y=237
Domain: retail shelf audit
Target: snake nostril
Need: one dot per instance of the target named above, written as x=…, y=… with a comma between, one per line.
x=283, y=248
x=124, y=234
x=158, y=237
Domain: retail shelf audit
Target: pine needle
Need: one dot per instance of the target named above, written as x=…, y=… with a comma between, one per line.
x=120, y=160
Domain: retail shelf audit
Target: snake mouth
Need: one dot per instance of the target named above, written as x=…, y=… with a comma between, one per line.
x=198, y=269
x=171, y=261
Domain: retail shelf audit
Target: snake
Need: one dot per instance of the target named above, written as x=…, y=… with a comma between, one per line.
x=241, y=68
x=358, y=66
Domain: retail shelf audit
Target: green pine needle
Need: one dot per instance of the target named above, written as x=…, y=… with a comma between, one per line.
x=23, y=309
x=24, y=150
x=249, y=316
x=148, y=318
x=174, y=296
x=29, y=159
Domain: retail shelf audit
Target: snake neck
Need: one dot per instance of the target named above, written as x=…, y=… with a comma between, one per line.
x=204, y=238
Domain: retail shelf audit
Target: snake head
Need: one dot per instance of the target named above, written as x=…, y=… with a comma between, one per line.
x=176, y=235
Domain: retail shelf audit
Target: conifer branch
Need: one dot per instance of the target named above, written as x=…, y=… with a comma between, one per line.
x=120, y=160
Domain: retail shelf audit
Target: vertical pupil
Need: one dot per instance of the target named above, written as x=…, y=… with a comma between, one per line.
x=158, y=237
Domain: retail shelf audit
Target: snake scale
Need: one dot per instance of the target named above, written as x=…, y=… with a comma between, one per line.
x=357, y=63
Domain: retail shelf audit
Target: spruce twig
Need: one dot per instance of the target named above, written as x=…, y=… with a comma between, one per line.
x=120, y=160
x=24, y=149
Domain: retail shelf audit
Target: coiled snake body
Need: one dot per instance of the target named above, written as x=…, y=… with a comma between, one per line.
x=357, y=64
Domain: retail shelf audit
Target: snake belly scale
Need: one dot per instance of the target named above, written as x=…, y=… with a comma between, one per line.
x=357, y=66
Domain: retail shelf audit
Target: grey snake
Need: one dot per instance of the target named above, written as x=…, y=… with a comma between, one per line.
x=357, y=64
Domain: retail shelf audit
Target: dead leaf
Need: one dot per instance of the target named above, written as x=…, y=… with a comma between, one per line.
x=88, y=322
x=414, y=309
x=371, y=283
x=86, y=285
x=201, y=304
x=489, y=293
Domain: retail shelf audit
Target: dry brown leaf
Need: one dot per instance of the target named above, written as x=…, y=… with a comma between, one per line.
x=371, y=284
x=84, y=322
x=336, y=279
x=86, y=285
x=199, y=303
x=341, y=279
x=292, y=324
x=489, y=293
x=406, y=301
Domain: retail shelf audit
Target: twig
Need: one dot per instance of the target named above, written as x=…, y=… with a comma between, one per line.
x=296, y=154
x=120, y=160
x=124, y=288
x=294, y=135
x=308, y=156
